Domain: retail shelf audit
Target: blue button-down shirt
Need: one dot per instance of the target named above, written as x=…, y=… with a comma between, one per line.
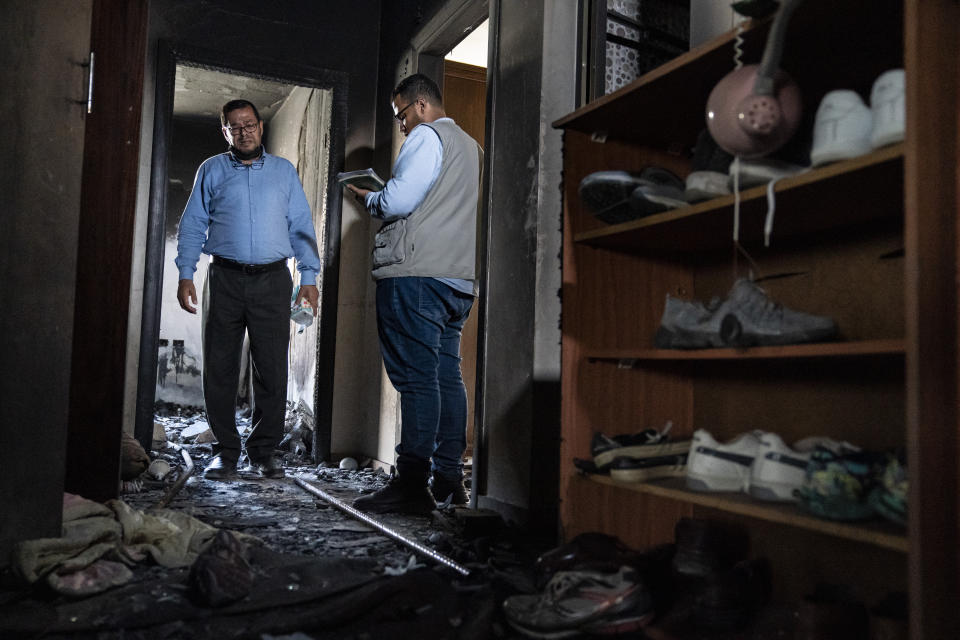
x=416, y=169
x=254, y=214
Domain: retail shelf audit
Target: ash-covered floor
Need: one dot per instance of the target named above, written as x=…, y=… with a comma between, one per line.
x=310, y=572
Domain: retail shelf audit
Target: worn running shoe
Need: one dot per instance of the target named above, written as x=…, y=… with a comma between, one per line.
x=748, y=317
x=688, y=324
x=581, y=601
x=590, y=551
x=649, y=443
x=607, y=194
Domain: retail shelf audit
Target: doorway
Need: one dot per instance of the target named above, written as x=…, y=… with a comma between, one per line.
x=304, y=117
x=465, y=100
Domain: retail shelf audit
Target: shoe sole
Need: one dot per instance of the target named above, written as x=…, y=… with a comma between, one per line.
x=220, y=477
x=653, y=473
x=680, y=339
x=618, y=626
x=713, y=483
x=641, y=451
x=393, y=509
x=772, y=491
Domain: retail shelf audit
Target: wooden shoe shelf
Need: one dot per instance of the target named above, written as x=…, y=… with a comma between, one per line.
x=870, y=241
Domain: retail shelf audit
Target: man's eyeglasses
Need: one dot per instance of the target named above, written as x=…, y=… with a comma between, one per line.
x=246, y=128
x=399, y=115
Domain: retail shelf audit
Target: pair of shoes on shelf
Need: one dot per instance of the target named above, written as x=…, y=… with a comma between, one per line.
x=714, y=172
x=407, y=494
x=620, y=196
x=758, y=463
x=845, y=127
x=747, y=317
x=638, y=457
x=576, y=602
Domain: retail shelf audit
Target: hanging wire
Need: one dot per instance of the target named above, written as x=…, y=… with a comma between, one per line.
x=738, y=249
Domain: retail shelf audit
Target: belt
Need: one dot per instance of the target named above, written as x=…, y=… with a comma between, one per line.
x=249, y=269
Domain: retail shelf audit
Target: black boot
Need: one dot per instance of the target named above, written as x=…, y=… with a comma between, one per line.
x=444, y=487
x=405, y=493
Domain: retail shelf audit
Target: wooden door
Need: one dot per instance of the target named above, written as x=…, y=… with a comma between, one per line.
x=43, y=111
x=465, y=100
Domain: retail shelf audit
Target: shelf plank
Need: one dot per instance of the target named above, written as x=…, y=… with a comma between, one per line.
x=862, y=348
x=805, y=203
x=877, y=534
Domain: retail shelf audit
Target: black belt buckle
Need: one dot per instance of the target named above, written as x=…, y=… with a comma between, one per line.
x=252, y=269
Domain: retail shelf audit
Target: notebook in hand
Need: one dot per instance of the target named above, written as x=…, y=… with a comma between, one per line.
x=361, y=178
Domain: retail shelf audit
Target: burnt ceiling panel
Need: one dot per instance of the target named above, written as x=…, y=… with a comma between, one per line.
x=201, y=92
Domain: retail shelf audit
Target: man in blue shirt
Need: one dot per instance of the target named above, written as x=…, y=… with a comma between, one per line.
x=424, y=262
x=248, y=211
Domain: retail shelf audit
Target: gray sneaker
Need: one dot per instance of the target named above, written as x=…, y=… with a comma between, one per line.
x=746, y=318
x=687, y=324
x=582, y=601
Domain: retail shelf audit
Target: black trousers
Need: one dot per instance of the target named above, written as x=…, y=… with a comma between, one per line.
x=260, y=305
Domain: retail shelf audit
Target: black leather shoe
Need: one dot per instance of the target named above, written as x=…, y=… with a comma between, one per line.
x=443, y=487
x=269, y=467
x=221, y=468
x=399, y=496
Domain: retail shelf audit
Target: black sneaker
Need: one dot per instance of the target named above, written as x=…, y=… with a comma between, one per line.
x=446, y=489
x=399, y=496
x=649, y=443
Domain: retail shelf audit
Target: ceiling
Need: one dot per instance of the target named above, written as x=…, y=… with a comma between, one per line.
x=199, y=93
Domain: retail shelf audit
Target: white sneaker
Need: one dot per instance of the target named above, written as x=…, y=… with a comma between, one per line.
x=841, y=128
x=887, y=105
x=712, y=466
x=779, y=469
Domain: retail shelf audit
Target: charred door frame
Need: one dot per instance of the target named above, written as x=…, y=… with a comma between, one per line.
x=169, y=55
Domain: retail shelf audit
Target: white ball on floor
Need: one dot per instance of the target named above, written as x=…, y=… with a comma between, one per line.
x=349, y=464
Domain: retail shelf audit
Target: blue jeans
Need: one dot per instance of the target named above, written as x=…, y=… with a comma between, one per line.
x=419, y=321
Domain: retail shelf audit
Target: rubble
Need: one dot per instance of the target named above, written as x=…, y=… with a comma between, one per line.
x=313, y=572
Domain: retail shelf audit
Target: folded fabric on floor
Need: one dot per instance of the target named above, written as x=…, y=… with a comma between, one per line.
x=112, y=533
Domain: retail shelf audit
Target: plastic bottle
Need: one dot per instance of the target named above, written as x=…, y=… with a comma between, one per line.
x=302, y=313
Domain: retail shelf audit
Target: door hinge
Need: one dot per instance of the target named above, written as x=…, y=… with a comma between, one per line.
x=88, y=65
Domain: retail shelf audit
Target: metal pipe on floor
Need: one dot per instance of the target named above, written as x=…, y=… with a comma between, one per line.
x=390, y=533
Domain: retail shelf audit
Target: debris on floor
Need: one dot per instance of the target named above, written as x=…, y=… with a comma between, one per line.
x=261, y=558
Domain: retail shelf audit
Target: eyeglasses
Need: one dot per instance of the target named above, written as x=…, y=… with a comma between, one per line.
x=246, y=128
x=399, y=115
